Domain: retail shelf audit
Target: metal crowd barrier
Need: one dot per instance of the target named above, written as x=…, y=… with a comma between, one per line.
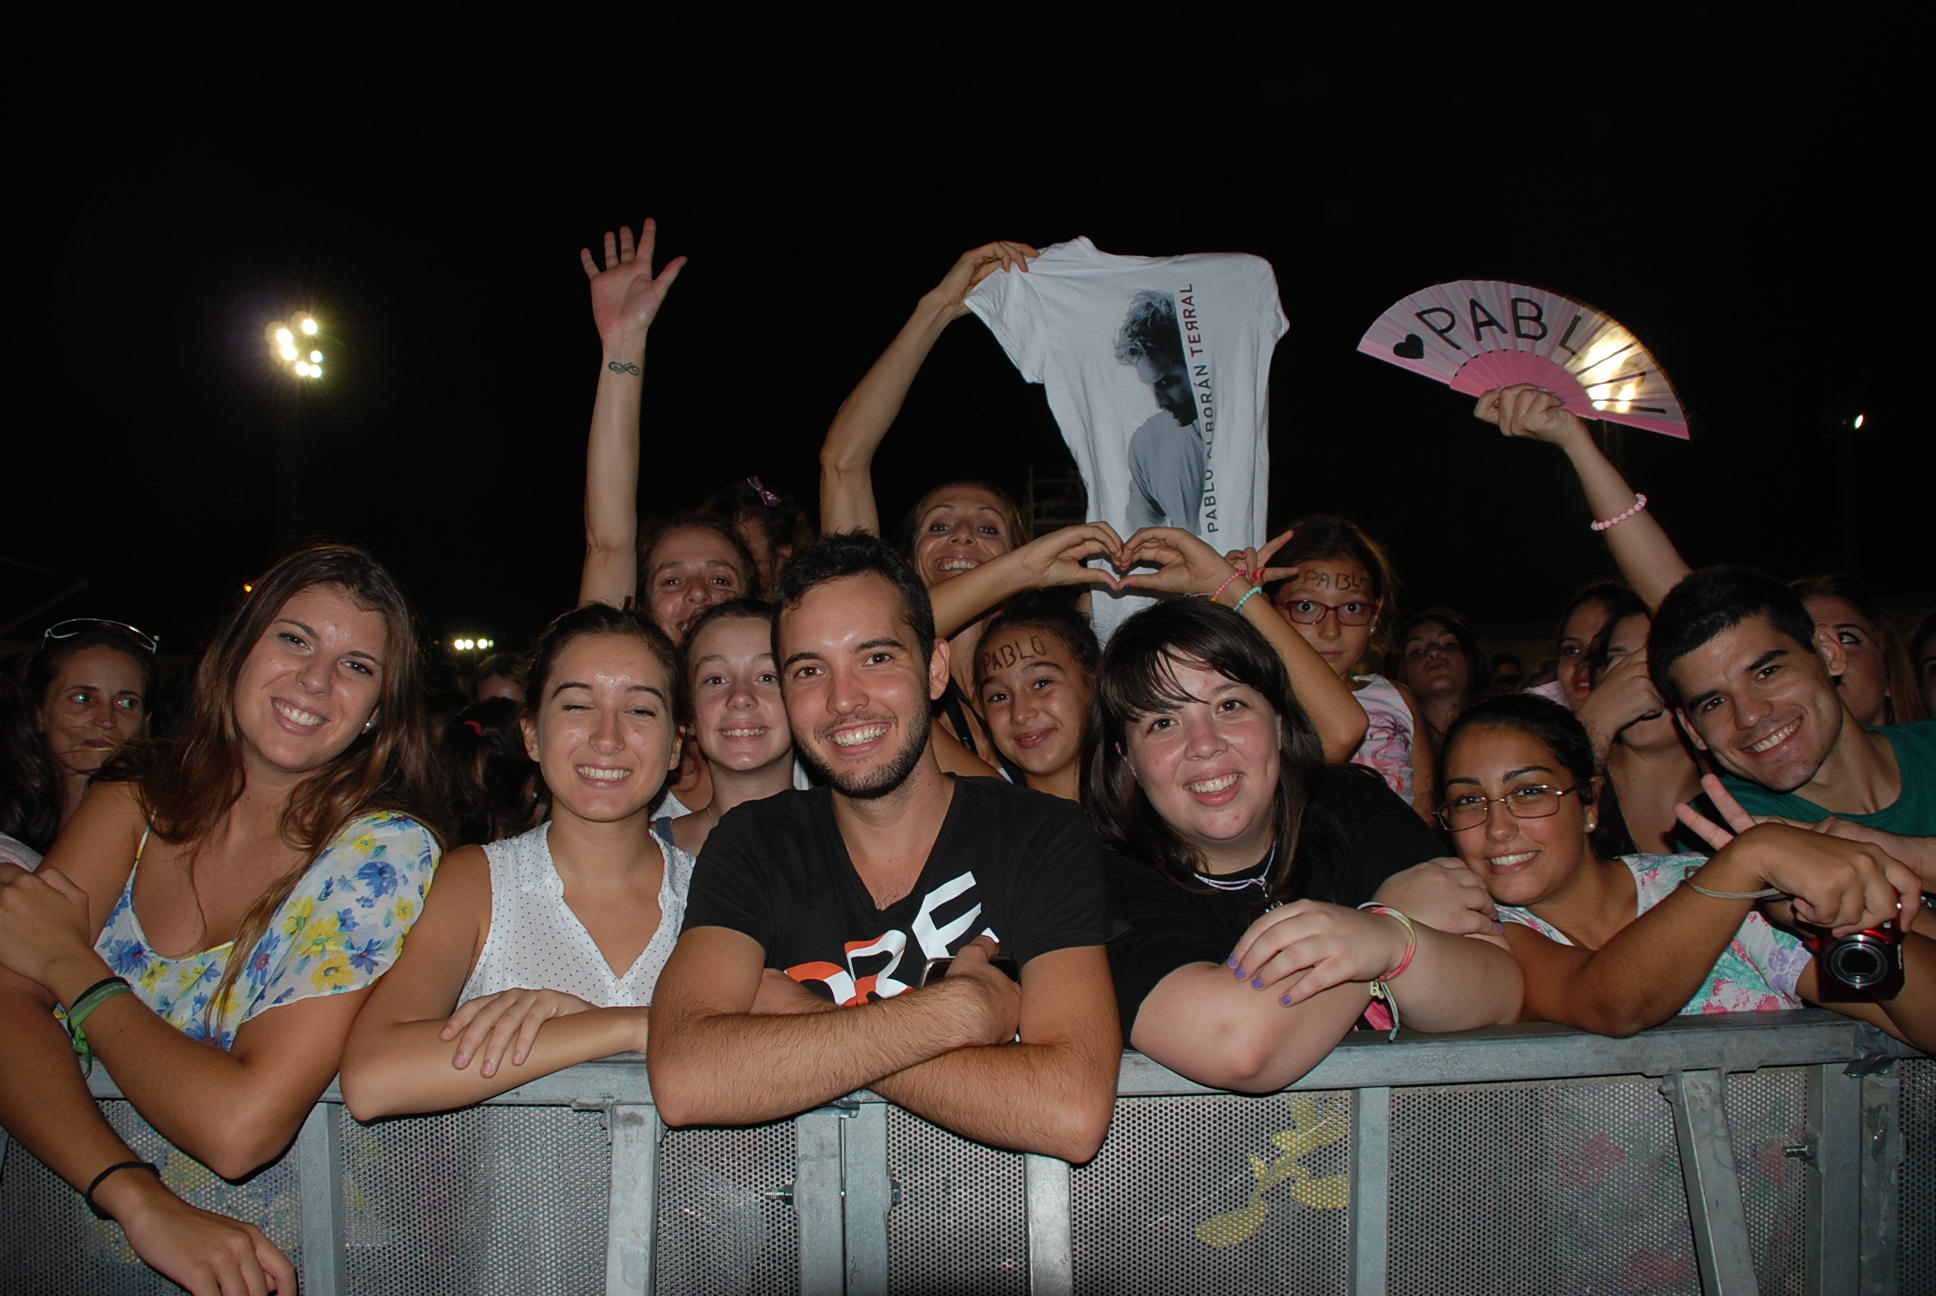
x=1779, y=1153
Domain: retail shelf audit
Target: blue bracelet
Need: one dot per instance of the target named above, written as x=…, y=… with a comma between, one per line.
x=1238, y=606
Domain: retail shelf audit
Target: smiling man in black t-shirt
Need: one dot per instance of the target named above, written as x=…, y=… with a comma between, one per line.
x=815, y=915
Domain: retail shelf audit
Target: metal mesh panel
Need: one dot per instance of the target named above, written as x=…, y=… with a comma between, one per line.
x=1918, y=1218
x=1768, y=1113
x=960, y=1222
x=724, y=1224
x=1217, y=1194
x=49, y=1242
x=490, y=1199
x=1573, y=1186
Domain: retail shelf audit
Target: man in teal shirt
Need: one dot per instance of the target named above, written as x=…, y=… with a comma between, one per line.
x=1751, y=678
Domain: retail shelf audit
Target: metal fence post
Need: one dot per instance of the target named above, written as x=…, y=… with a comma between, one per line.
x=869, y=1197
x=817, y=1202
x=1051, y=1238
x=319, y=1171
x=1370, y=1218
x=1713, y=1192
x=633, y=1200
x=1834, y=1156
x=1882, y=1158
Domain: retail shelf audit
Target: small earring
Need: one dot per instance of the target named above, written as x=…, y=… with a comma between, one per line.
x=368, y=725
x=1591, y=824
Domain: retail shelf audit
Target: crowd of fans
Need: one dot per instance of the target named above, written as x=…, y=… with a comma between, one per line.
x=796, y=815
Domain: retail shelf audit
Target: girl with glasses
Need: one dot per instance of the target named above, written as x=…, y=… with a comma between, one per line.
x=1339, y=601
x=1617, y=945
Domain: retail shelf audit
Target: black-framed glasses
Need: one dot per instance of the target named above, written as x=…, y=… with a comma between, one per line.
x=1352, y=612
x=1534, y=801
x=81, y=625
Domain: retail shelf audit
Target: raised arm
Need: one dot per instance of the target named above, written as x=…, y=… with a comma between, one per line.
x=861, y=423
x=1186, y=565
x=626, y=298
x=713, y=1062
x=1646, y=557
x=409, y=1052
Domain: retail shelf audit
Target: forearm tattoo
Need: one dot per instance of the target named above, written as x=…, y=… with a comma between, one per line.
x=622, y=366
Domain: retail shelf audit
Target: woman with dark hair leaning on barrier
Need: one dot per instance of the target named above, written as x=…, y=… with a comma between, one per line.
x=215, y=913
x=1245, y=962
x=541, y=951
x=1617, y=945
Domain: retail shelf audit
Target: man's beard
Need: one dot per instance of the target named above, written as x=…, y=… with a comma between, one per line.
x=876, y=782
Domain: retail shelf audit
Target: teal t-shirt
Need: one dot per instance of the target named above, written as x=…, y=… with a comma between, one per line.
x=1913, y=814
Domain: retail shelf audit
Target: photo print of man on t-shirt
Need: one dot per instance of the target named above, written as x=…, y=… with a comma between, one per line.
x=1157, y=370
x=1166, y=452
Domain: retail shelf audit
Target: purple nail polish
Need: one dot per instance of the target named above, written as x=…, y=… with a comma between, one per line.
x=1230, y=962
x=1240, y=974
x=1285, y=999
x=1257, y=983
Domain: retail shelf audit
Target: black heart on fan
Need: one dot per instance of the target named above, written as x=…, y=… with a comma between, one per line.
x=1412, y=348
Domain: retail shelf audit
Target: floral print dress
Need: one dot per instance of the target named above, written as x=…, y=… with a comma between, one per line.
x=1755, y=973
x=339, y=930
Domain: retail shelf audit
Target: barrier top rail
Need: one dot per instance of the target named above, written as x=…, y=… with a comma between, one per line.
x=1526, y=1051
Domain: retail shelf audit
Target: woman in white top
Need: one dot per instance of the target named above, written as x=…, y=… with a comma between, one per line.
x=547, y=945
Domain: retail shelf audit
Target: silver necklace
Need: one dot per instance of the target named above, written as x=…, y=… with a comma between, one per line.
x=1260, y=879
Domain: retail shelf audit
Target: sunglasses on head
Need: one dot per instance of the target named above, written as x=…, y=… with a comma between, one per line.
x=81, y=625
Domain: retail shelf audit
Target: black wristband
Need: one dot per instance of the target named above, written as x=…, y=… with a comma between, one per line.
x=88, y=1196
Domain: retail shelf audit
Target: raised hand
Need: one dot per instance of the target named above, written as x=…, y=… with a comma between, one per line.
x=625, y=295
x=1528, y=411
x=975, y=265
x=1253, y=561
x=1184, y=564
x=491, y=1024
x=1057, y=558
x=1305, y=948
x=1624, y=696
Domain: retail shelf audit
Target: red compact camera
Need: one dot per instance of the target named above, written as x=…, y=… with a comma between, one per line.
x=1864, y=965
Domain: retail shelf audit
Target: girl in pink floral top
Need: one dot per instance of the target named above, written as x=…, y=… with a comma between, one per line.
x=1617, y=945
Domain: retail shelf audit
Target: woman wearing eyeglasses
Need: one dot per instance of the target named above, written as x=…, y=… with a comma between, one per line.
x=1617, y=945
x=92, y=680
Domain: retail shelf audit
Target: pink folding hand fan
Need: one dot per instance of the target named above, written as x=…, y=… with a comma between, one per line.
x=1476, y=335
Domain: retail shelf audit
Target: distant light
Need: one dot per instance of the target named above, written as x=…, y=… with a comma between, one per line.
x=483, y=643
x=302, y=368
x=309, y=327
x=288, y=351
x=285, y=337
x=315, y=357
x=1860, y=419
x=247, y=588
x=315, y=371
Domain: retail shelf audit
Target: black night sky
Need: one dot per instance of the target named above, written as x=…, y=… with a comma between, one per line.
x=1731, y=186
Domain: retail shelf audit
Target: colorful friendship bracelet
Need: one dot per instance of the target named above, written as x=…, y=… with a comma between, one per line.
x=83, y=1006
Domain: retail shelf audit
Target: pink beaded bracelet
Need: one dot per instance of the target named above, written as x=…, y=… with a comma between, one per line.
x=1632, y=510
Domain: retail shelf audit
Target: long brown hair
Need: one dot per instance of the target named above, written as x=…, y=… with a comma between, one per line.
x=188, y=786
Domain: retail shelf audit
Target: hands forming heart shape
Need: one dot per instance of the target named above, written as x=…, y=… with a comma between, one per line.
x=1178, y=561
